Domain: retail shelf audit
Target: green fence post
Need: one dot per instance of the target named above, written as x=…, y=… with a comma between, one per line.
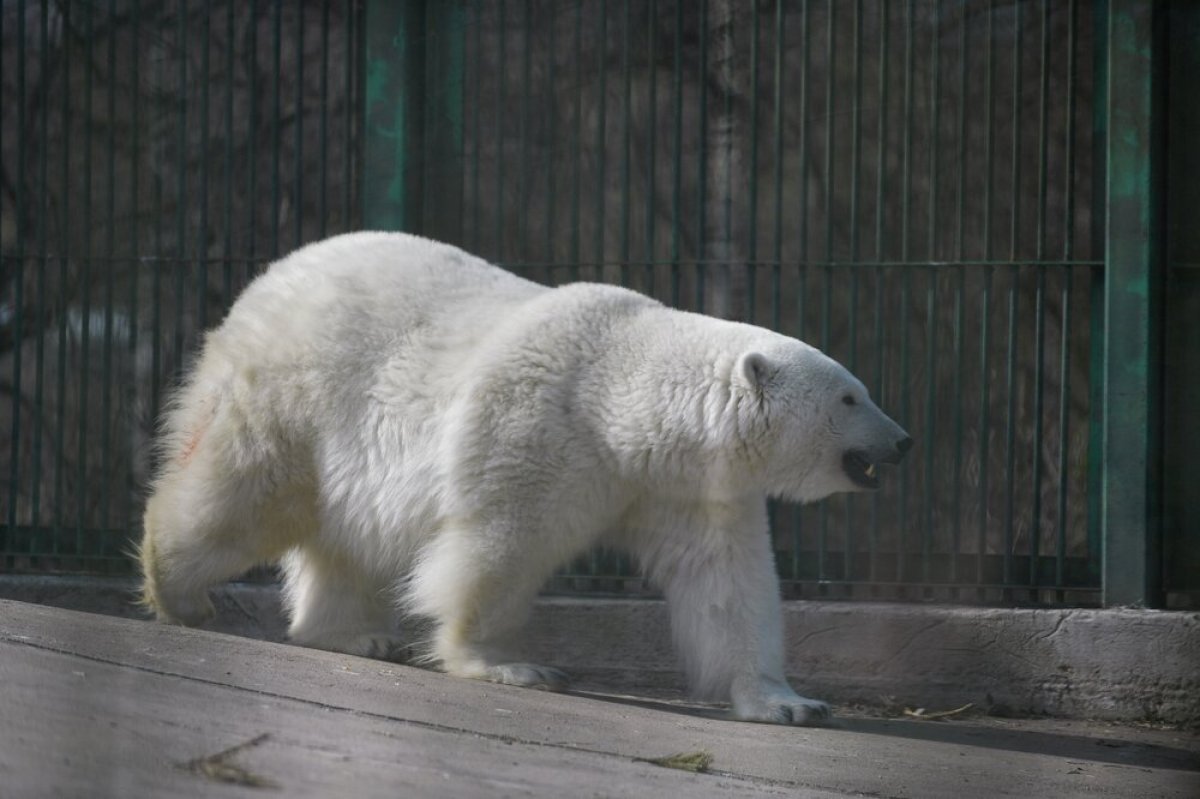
x=394, y=126
x=1131, y=507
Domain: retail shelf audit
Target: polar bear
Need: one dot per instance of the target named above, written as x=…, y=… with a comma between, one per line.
x=409, y=429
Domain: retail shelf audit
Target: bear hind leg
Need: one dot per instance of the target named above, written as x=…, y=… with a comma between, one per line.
x=189, y=545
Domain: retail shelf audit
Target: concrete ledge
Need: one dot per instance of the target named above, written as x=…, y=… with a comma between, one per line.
x=1123, y=664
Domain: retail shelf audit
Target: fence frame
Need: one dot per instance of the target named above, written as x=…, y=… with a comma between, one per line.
x=406, y=116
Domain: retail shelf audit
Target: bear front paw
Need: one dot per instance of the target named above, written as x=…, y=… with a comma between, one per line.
x=793, y=709
x=528, y=675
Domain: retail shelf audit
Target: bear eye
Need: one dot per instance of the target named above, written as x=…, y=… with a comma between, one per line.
x=848, y=400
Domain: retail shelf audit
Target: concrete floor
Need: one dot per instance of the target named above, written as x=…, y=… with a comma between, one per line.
x=98, y=706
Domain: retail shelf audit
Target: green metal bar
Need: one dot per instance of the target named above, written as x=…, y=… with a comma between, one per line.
x=1010, y=423
x=252, y=150
x=651, y=144
x=351, y=112
x=523, y=133
x=1097, y=331
x=905, y=279
x=906, y=150
x=959, y=288
x=323, y=132
x=394, y=122
x=931, y=349
x=752, y=188
x=677, y=149
x=776, y=267
x=476, y=129
x=180, y=265
x=931, y=319
x=227, y=250
x=626, y=144
x=61, y=392
x=551, y=136
x=702, y=160
x=1039, y=380
x=14, y=474
x=156, y=304
x=298, y=178
x=109, y=284
x=1039, y=304
x=202, y=234
x=1064, y=416
x=85, y=287
x=880, y=238
x=276, y=118
x=802, y=150
x=827, y=298
x=986, y=296
x=577, y=189
x=43, y=266
x=1015, y=231
x=1131, y=511
x=134, y=237
x=985, y=311
x=601, y=131
x=848, y=542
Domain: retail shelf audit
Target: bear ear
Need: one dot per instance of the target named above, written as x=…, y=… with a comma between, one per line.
x=752, y=370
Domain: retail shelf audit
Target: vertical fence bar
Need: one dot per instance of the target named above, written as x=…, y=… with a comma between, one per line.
x=777, y=264
x=651, y=143
x=251, y=150
x=1131, y=511
x=135, y=242
x=880, y=234
x=827, y=252
x=601, y=135
x=848, y=543
x=298, y=177
x=1097, y=331
x=85, y=286
x=959, y=290
x=1064, y=416
x=323, y=132
x=626, y=142
x=445, y=35
x=702, y=161
x=985, y=300
x=110, y=248
x=523, y=134
x=14, y=473
x=276, y=117
x=552, y=156
x=677, y=150
x=931, y=296
x=752, y=196
x=64, y=255
x=202, y=234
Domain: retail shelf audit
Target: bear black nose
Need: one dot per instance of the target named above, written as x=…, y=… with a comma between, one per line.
x=904, y=444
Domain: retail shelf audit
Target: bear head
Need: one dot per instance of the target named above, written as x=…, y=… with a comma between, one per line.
x=819, y=432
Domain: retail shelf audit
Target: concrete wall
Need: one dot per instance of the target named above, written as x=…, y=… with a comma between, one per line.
x=1123, y=664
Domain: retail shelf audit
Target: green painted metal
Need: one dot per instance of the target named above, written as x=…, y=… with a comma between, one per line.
x=1131, y=521
x=395, y=87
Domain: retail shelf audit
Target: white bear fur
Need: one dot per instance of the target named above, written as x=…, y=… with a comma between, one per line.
x=410, y=429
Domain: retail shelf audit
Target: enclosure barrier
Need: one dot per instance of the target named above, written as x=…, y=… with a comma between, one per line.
x=970, y=203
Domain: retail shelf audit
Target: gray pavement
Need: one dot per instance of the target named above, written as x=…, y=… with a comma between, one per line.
x=99, y=706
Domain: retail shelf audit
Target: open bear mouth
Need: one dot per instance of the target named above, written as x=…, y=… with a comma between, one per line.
x=860, y=469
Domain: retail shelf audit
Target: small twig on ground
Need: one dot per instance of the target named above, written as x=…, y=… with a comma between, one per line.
x=941, y=715
x=696, y=762
x=216, y=767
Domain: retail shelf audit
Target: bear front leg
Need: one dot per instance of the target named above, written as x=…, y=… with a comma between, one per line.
x=478, y=586
x=715, y=566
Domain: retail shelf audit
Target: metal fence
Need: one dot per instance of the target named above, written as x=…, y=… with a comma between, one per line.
x=936, y=193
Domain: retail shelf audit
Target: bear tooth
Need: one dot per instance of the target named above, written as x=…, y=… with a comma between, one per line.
x=871, y=470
